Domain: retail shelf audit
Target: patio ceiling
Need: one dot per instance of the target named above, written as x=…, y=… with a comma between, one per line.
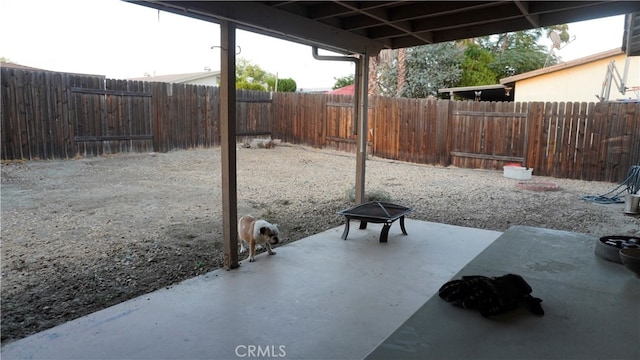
x=366, y=27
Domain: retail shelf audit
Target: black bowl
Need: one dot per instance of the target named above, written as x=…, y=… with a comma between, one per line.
x=608, y=247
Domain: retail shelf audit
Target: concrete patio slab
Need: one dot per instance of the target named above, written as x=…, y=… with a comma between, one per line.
x=319, y=297
x=592, y=307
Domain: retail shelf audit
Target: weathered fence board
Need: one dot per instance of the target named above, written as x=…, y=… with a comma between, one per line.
x=487, y=135
x=580, y=142
x=49, y=115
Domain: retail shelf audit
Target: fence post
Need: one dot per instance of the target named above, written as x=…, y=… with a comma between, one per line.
x=444, y=133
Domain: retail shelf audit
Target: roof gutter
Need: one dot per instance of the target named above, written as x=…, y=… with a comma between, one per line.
x=361, y=105
x=356, y=61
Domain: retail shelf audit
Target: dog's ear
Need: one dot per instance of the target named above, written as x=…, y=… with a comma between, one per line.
x=263, y=230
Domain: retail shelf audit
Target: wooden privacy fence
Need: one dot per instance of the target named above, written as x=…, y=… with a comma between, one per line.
x=588, y=141
x=49, y=115
x=488, y=135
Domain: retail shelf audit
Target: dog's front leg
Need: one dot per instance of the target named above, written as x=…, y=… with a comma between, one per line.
x=268, y=246
x=252, y=249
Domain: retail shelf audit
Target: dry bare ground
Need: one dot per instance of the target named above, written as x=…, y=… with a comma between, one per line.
x=80, y=235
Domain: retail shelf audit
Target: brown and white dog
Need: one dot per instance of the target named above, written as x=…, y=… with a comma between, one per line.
x=254, y=231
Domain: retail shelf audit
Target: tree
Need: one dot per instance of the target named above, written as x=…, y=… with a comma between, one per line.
x=250, y=76
x=243, y=84
x=5, y=60
x=519, y=52
x=518, y=61
x=402, y=70
x=343, y=81
x=418, y=71
x=245, y=69
x=284, y=85
x=470, y=62
x=387, y=70
x=430, y=67
x=287, y=85
x=476, y=66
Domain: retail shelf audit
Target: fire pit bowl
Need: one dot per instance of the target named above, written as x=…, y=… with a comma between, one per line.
x=376, y=212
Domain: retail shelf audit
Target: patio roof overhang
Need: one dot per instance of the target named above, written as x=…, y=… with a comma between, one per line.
x=362, y=28
x=366, y=27
x=631, y=41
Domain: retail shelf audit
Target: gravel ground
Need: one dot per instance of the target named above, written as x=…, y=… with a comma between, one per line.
x=84, y=234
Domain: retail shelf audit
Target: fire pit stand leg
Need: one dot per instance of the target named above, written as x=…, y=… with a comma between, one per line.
x=404, y=231
x=346, y=229
x=363, y=225
x=385, y=232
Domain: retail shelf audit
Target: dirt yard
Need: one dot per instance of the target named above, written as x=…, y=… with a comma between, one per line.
x=81, y=235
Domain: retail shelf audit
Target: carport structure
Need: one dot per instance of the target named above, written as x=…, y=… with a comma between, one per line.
x=359, y=30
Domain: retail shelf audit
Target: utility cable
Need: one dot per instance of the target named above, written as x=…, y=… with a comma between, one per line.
x=631, y=185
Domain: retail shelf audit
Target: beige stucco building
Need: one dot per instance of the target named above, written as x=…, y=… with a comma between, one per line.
x=577, y=80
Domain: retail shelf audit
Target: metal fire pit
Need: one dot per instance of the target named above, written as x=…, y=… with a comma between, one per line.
x=378, y=213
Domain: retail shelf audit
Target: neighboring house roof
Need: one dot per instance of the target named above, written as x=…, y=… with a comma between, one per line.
x=313, y=90
x=562, y=66
x=30, y=68
x=345, y=90
x=18, y=66
x=179, y=78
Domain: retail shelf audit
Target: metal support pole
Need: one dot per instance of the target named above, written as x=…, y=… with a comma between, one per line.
x=356, y=101
x=360, y=113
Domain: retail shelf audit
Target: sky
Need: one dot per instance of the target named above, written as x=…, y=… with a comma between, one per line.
x=124, y=40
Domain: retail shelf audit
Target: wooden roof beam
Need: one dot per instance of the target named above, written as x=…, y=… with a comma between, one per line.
x=328, y=10
x=382, y=15
x=424, y=9
x=534, y=20
x=464, y=20
x=258, y=17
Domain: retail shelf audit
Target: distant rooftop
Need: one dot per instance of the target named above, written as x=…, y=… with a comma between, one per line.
x=11, y=65
x=313, y=90
x=562, y=66
x=18, y=66
x=178, y=78
x=346, y=90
